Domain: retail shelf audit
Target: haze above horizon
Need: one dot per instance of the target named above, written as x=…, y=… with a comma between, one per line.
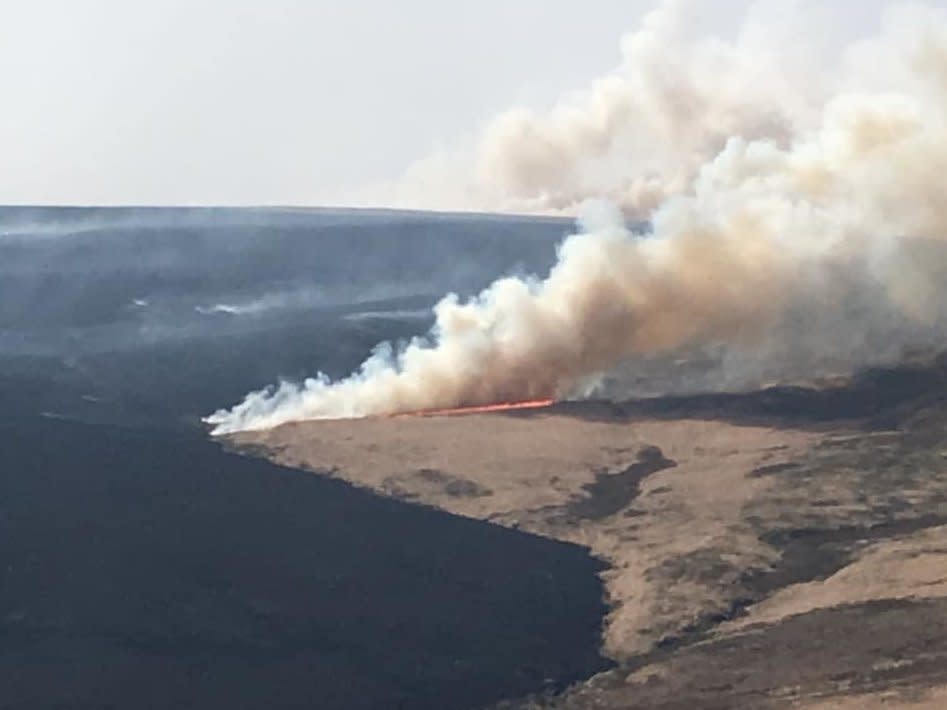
x=279, y=102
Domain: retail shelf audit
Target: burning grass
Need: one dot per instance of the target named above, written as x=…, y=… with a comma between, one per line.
x=481, y=409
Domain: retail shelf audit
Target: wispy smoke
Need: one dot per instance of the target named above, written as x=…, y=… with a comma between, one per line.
x=826, y=227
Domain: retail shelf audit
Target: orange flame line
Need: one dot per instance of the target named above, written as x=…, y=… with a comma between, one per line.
x=481, y=409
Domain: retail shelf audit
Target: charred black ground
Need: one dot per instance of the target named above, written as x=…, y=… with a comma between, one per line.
x=143, y=566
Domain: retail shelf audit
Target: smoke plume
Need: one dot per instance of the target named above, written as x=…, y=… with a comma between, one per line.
x=788, y=217
x=640, y=133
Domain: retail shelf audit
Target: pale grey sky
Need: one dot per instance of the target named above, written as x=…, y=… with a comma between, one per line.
x=242, y=101
x=271, y=101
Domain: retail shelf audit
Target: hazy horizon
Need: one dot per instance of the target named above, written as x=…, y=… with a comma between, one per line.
x=275, y=103
x=297, y=104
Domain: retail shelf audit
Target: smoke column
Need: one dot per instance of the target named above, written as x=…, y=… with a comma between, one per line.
x=640, y=133
x=808, y=227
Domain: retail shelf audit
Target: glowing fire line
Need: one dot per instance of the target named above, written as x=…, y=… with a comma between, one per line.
x=481, y=409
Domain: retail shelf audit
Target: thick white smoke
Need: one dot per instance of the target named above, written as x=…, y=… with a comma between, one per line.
x=640, y=133
x=831, y=227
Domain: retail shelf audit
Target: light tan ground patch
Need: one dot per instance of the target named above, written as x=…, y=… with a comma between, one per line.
x=523, y=471
x=930, y=699
x=913, y=566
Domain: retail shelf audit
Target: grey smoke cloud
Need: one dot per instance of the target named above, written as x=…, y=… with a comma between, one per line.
x=640, y=133
x=807, y=221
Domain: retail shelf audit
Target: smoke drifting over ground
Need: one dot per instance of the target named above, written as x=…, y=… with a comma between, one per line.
x=807, y=222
